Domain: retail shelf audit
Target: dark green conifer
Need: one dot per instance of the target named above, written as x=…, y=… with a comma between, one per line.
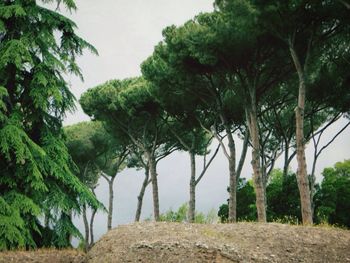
x=38, y=46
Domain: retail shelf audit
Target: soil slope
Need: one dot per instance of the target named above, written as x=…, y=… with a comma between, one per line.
x=43, y=255
x=242, y=242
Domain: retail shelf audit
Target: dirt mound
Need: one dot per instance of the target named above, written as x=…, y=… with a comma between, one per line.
x=43, y=255
x=242, y=242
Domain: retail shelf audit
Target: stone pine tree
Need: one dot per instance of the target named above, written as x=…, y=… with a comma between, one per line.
x=87, y=143
x=129, y=111
x=37, y=47
x=182, y=123
x=304, y=27
x=192, y=89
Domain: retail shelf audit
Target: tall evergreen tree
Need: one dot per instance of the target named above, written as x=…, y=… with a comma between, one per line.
x=37, y=47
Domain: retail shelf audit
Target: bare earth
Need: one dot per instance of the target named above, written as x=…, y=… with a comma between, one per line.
x=242, y=242
x=43, y=255
x=173, y=242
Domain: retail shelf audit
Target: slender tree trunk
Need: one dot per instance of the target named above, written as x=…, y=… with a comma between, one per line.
x=312, y=185
x=110, y=203
x=302, y=177
x=92, y=239
x=286, y=163
x=243, y=155
x=153, y=171
x=86, y=227
x=257, y=176
x=192, y=202
x=232, y=204
x=141, y=195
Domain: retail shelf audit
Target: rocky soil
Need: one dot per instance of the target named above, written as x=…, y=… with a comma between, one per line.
x=173, y=242
x=43, y=255
x=242, y=242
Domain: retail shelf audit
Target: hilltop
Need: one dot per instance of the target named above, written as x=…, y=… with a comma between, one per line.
x=242, y=242
x=176, y=242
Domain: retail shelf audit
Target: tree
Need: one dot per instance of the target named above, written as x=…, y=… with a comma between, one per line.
x=111, y=164
x=138, y=161
x=82, y=149
x=37, y=46
x=309, y=25
x=133, y=115
x=96, y=154
x=246, y=209
x=332, y=200
x=283, y=198
x=190, y=89
x=252, y=58
x=187, y=132
x=196, y=142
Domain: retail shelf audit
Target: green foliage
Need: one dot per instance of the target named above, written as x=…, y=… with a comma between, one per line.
x=246, y=209
x=130, y=113
x=181, y=215
x=332, y=199
x=37, y=47
x=93, y=150
x=14, y=230
x=283, y=201
x=63, y=230
x=283, y=198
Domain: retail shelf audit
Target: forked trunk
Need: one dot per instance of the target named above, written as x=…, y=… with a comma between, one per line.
x=141, y=195
x=302, y=177
x=192, y=202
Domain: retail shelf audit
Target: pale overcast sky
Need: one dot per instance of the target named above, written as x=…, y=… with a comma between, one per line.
x=125, y=33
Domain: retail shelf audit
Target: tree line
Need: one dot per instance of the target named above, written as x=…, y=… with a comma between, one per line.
x=243, y=70
x=331, y=198
x=273, y=74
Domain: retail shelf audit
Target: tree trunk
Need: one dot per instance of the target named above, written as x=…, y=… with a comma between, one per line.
x=257, y=176
x=192, y=202
x=302, y=177
x=86, y=227
x=92, y=239
x=312, y=185
x=110, y=203
x=232, y=204
x=286, y=163
x=153, y=170
x=243, y=155
x=141, y=195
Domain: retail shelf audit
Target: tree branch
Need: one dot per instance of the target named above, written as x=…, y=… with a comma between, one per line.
x=207, y=165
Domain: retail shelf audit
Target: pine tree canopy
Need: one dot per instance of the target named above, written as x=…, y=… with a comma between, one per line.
x=38, y=46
